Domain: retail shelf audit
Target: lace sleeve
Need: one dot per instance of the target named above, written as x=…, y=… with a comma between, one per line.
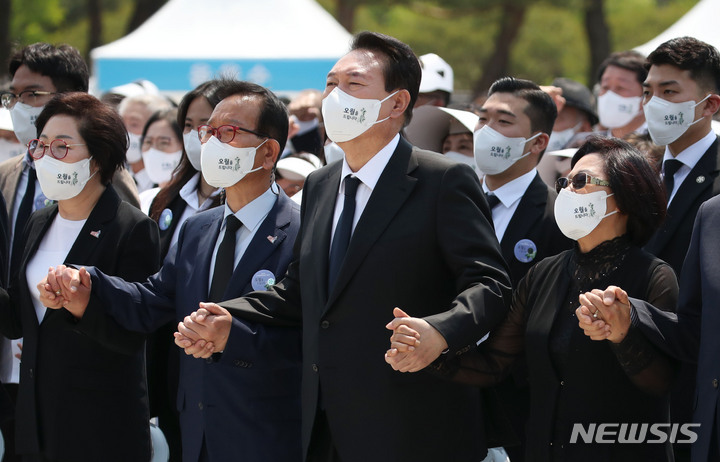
x=490, y=361
x=648, y=367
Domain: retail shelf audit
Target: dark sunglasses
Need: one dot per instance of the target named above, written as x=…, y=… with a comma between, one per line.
x=579, y=181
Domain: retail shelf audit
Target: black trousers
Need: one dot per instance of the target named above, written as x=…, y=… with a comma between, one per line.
x=322, y=448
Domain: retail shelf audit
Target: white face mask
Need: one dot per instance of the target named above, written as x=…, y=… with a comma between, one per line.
x=577, y=215
x=160, y=165
x=560, y=139
x=23, y=118
x=224, y=165
x=463, y=159
x=333, y=152
x=617, y=111
x=62, y=180
x=495, y=152
x=668, y=121
x=347, y=117
x=193, y=148
x=9, y=149
x=134, y=152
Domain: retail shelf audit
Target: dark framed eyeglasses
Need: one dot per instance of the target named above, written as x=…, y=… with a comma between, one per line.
x=579, y=181
x=224, y=133
x=58, y=148
x=30, y=97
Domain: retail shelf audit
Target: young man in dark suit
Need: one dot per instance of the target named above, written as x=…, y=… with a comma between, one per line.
x=390, y=226
x=244, y=402
x=680, y=98
x=522, y=204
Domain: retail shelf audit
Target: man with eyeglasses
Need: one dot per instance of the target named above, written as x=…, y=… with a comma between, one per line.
x=510, y=138
x=242, y=403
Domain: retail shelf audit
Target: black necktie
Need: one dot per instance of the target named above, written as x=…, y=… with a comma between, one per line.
x=671, y=166
x=24, y=212
x=492, y=200
x=224, y=260
x=343, y=231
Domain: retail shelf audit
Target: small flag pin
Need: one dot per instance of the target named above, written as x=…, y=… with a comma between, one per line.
x=272, y=239
x=95, y=234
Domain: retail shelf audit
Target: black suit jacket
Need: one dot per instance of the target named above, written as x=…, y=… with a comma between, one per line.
x=70, y=383
x=670, y=242
x=692, y=334
x=534, y=221
x=423, y=243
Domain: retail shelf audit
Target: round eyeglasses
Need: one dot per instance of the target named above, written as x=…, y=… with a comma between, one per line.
x=578, y=181
x=30, y=97
x=224, y=133
x=58, y=148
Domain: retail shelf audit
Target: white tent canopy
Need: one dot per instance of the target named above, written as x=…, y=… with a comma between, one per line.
x=286, y=45
x=700, y=22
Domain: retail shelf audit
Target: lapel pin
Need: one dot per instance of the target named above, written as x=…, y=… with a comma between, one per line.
x=700, y=179
x=95, y=234
x=272, y=239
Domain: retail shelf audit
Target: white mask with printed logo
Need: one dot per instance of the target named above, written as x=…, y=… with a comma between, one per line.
x=193, y=147
x=224, y=165
x=668, y=121
x=347, y=117
x=495, y=152
x=23, y=117
x=577, y=215
x=62, y=180
x=134, y=152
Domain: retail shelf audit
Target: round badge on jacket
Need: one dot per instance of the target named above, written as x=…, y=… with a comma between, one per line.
x=165, y=220
x=525, y=250
x=263, y=280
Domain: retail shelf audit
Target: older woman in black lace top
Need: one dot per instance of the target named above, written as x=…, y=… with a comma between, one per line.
x=610, y=204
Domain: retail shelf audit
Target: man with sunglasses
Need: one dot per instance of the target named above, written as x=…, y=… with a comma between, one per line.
x=243, y=402
x=511, y=137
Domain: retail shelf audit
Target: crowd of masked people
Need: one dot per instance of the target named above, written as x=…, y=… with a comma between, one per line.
x=539, y=262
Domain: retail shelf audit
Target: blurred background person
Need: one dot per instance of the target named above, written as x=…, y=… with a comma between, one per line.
x=446, y=131
x=9, y=144
x=162, y=150
x=620, y=92
x=79, y=399
x=306, y=131
x=575, y=121
x=291, y=172
x=135, y=111
x=115, y=95
x=436, y=84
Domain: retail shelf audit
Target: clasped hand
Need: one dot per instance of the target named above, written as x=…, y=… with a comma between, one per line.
x=204, y=331
x=414, y=343
x=66, y=287
x=604, y=315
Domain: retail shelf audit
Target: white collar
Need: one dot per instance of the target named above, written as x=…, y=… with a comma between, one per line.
x=253, y=213
x=189, y=193
x=513, y=191
x=692, y=154
x=370, y=173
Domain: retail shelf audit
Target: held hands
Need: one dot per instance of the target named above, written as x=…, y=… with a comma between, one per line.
x=67, y=288
x=414, y=343
x=204, y=331
x=605, y=315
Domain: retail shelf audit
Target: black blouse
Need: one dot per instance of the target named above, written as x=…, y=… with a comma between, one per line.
x=574, y=379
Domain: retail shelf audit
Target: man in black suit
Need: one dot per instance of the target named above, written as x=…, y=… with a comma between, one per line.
x=522, y=204
x=681, y=96
x=422, y=241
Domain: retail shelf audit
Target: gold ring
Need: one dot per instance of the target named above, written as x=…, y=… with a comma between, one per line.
x=58, y=292
x=595, y=314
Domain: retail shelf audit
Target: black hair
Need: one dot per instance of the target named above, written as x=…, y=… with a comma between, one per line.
x=63, y=64
x=690, y=54
x=402, y=68
x=629, y=60
x=541, y=109
x=639, y=193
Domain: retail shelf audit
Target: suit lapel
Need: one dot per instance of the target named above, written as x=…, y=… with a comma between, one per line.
x=205, y=248
x=391, y=191
x=699, y=179
x=267, y=239
x=530, y=209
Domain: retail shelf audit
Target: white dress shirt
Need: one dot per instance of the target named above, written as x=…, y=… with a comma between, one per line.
x=689, y=157
x=368, y=175
x=509, y=195
x=251, y=216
